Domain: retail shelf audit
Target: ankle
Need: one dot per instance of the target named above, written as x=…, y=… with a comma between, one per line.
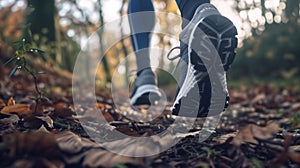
x=147, y=71
x=188, y=8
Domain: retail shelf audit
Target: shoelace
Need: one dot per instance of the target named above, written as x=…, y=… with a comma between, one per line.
x=173, y=58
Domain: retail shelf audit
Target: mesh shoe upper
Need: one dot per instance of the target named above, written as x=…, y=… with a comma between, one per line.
x=208, y=34
x=144, y=85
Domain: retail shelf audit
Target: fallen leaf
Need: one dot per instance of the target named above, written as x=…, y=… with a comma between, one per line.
x=72, y=143
x=32, y=122
x=63, y=110
x=36, y=108
x=94, y=113
x=259, y=108
x=143, y=146
x=108, y=117
x=237, y=97
x=258, y=98
x=100, y=105
x=41, y=107
x=20, y=109
x=294, y=157
x=223, y=138
x=128, y=131
x=10, y=101
x=42, y=129
x=252, y=131
x=60, y=106
x=295, y=148
x=38, y=162
x=41, y=144
x=2, y=103
x=48, y=120
x=295, y=107
x=13, y=118
x=77, y=150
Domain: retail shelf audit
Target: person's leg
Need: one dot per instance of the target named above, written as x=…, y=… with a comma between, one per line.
x=138, y=23
x=205, y=33
x=141, y=25
x=188, y=8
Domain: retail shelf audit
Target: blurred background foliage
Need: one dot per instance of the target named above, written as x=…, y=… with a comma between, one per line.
x=271, y=51
x=269, y=34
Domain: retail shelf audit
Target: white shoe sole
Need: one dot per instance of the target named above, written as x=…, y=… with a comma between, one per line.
x=143, y=90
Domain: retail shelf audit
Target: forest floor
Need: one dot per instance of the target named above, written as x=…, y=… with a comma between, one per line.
x=261, y=128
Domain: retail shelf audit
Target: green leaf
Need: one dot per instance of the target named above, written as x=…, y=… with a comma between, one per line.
x=205, y=165
x=257, y=163
x=27, y=47
x=13, y=71
x=20, y=52
x=280, y=112
x=10, y=60
x=120, y=166
x=18, y=44
x=207, y=150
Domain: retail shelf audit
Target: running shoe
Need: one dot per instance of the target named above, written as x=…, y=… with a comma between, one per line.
x=208, y=44
x=144, y=89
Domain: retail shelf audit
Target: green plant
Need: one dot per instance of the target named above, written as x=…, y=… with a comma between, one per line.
x=23, y=48
x=295, y=121
x=208, y=151
x=257, y=163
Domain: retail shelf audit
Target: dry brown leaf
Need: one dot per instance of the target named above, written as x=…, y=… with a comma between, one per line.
x=60, y=106
x=258, y=98
x=11, y=101
x=295, y=148
x=92, y=113
x=295, y=107
x=127, y=131
x=249, y=132
x=48, y=120
x=77, y=150
x=20, y=109
x=289, y=152
x=39, y=162
x=13, y=118
x=32, y=122
x=294, y=157
x=103, y=158
x=72, y=143
x=142, y=147
x=39, y=143
x=35, y=122
x=41, y=107
x=99, y=105
x=108, y=117
x=63, y=110
x=223, y=138
x=2, y=103
x=237, y=97
x=43, y=129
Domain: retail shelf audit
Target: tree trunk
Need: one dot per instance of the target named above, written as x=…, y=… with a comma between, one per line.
x=41, y=20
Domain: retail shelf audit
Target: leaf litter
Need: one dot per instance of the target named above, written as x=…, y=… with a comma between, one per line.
x=260, y=129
